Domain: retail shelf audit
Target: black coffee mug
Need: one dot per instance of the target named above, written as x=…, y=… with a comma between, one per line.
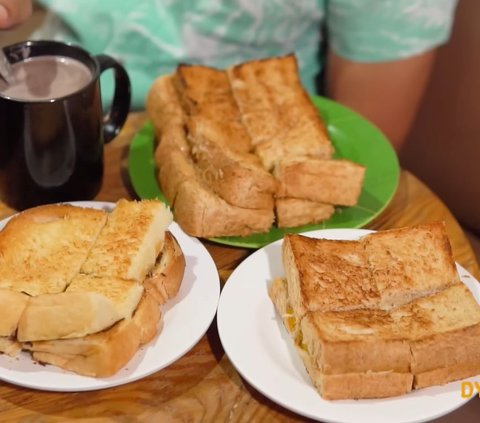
x=52, y=150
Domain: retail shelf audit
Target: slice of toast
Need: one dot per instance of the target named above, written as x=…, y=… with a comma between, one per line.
x=206, y=93
x=104, y=353
x=276, y=110
x=291, y=212
x=407, y=263
x=200, y=212
x=130, y=242
x=43, y=248
x=336, y=182
x=194, y=202
x=66, y=315
x=445, y=334
x=218, y=141
x=327, y=275
x=237, y=177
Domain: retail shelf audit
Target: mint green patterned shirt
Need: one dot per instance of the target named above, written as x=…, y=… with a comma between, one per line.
x=152, y=36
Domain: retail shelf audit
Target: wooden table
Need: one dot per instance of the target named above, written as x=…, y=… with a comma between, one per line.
x=203, y=386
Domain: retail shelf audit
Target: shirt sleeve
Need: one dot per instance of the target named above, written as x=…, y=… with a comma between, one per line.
x=385, y=30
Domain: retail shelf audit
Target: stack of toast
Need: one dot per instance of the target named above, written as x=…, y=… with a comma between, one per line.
x=380, y=316
x=81, y=288
x=244, y=147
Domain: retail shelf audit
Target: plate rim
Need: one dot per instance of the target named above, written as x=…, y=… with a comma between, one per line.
x=117, y=380
x=142, y=191
x=222, y=330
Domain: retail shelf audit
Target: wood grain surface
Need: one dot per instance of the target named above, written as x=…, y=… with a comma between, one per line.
x=203, y=386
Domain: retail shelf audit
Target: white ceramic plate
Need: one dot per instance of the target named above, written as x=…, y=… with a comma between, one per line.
x=256, y=342
x=186, y=318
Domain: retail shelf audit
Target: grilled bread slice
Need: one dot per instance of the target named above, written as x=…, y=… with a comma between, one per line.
x=130, y=242
x=218, y=141
x=327, y=275
x=205, y=93
x=237, y=177
x=275, y=109
x=198, y=209
x=90, y=304
x=200, y=212
x=444, y=336
x=410, y=262
x=430, y=341
x=291, y=212
x=336, y=182
x=102, y=354
x=43, y=248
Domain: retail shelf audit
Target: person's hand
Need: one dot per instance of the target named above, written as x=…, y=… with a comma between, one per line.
x=13, y=12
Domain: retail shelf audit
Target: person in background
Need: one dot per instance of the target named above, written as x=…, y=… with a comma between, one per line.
x=13, y=12
x=376, y=54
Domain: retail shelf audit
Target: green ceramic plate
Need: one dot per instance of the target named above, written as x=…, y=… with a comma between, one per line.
x=353, y=137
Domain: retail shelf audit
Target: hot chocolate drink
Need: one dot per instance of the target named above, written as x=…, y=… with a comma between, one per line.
x=46, y=77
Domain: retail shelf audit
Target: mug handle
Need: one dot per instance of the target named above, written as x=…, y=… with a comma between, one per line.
x=117, y=115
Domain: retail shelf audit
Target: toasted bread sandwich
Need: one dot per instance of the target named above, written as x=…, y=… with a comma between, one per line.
x=111, y=305
x=362, y=338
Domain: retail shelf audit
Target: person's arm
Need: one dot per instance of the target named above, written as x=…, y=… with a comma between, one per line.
x=386, y=93
x=13, y=12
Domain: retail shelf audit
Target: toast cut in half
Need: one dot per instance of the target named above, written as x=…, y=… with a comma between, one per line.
x=382, y=270
x=202, y=213
x=349, y=323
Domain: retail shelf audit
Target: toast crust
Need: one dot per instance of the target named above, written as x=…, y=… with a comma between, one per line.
x=165, y=279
